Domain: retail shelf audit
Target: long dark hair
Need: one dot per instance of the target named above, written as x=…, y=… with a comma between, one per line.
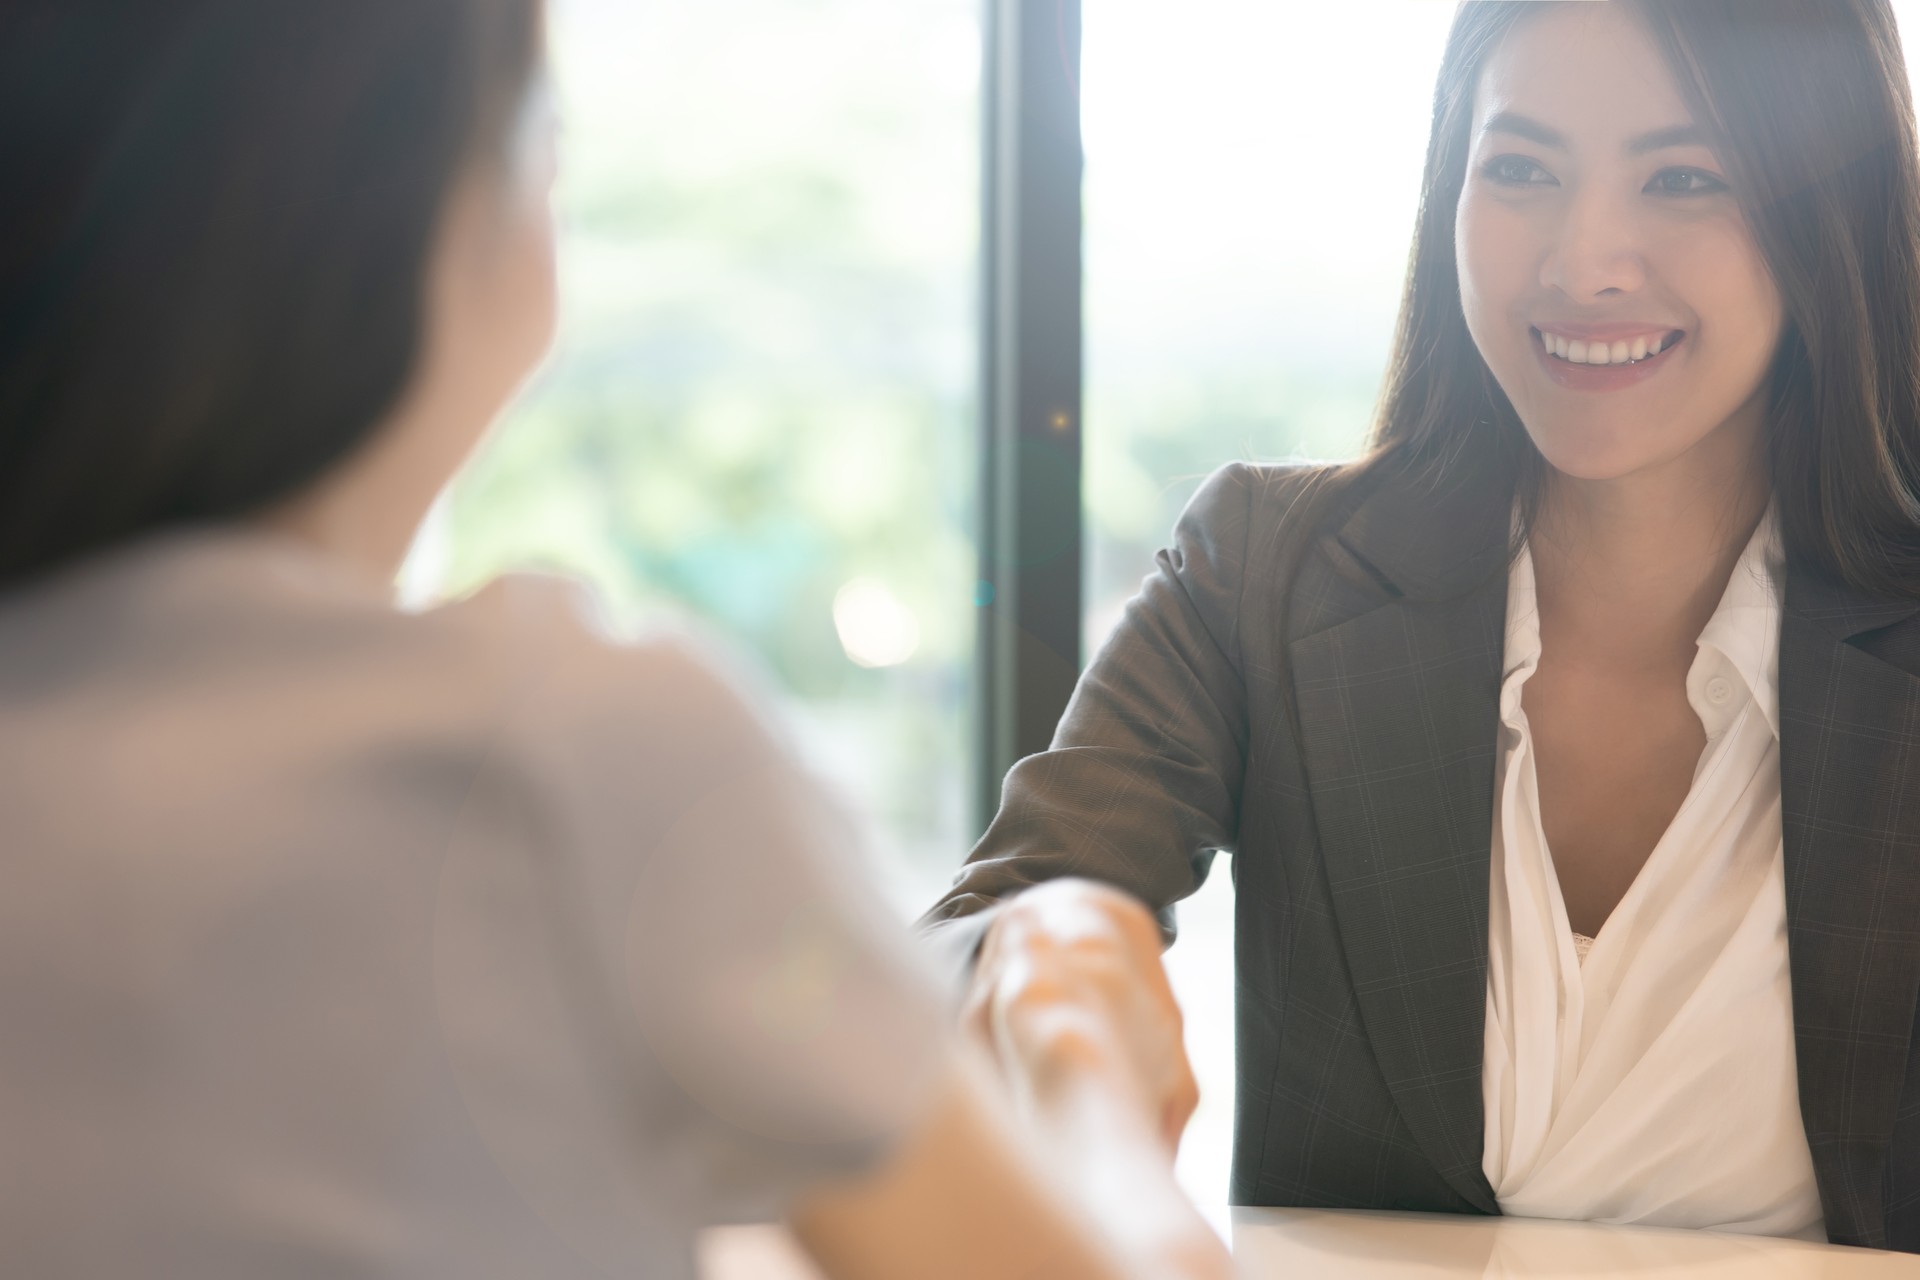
x=1813, y=102
x=215, y=222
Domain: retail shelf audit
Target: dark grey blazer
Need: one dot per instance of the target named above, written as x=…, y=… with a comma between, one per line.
x=1362, y=860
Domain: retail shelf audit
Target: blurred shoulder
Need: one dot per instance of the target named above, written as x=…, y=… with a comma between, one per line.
x=663, y=686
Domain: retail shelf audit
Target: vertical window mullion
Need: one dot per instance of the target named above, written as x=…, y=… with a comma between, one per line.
x=1032, y=392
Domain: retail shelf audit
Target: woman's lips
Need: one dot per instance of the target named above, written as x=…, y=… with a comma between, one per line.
x=1603, y=377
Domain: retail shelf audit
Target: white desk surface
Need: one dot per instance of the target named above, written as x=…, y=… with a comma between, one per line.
x=1366, y=1245
x=1352, y=1244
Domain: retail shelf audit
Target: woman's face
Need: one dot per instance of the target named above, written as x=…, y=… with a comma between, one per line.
x=1607, y=273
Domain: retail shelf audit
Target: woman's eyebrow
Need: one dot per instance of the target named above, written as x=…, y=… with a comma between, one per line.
x=1524, y=127
x=1679, y=135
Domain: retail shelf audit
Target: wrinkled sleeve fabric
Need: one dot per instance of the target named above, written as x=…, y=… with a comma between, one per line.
x=1142, y=783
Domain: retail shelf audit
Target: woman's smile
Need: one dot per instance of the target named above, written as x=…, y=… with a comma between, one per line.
x=1604, y=357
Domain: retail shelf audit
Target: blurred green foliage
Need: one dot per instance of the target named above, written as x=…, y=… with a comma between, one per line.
x=764, y=387
x=764, y=383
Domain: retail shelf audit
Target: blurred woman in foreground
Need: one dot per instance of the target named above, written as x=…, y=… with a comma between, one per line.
x=336, y=940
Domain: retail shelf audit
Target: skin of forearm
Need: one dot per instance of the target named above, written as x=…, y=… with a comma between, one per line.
x=964, y=1196
x=1098, y=1140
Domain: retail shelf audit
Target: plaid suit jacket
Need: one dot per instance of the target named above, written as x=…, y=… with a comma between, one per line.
x=1361, y=846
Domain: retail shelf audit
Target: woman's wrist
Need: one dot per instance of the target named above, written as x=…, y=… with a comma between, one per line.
x=1099, y=1140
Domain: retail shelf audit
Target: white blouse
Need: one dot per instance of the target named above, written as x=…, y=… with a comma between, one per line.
x=1651, y=1079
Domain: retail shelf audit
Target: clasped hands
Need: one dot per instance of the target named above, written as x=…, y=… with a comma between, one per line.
x=1069, y=989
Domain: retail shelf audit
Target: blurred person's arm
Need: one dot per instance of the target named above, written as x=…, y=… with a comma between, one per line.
x=1066, y=1173
x=968, y=1195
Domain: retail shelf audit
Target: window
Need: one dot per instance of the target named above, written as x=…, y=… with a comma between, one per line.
x=762, y=408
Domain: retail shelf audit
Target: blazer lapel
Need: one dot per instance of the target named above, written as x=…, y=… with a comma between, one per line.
x=1399, y=712
x=1850, y=813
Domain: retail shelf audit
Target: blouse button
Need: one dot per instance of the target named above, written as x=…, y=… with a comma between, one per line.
x=1718, y=690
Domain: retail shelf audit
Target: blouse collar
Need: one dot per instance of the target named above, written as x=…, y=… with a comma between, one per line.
x=1742, y=637
x=1745, y=628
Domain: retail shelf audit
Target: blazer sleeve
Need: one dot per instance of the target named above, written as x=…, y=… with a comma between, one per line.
x=1142, y=782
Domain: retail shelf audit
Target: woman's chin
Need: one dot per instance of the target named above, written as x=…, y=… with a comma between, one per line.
x=1594, y=454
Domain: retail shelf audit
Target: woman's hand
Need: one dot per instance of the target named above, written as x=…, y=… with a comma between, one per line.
x=1069, y=992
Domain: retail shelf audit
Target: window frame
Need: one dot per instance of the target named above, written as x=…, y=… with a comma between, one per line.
x=1032, y=384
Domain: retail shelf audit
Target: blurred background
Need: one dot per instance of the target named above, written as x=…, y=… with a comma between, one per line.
x=763, y=411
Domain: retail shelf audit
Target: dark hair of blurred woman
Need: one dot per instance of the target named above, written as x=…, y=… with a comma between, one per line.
x=203, y=309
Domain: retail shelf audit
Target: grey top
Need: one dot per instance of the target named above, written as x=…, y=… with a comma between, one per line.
x=336, y=941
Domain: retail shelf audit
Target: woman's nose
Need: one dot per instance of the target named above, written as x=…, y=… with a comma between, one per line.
x=1595, y=251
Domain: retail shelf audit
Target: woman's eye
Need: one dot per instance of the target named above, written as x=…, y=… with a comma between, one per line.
x=1685, y=182
x=1517, y=171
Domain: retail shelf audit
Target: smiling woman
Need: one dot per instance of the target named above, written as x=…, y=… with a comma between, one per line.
x=1560, y=740
x=1598, y=251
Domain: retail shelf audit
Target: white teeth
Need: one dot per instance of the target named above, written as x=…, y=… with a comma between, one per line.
x=1576, y=351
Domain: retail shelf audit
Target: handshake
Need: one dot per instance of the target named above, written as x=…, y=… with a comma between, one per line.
x=1069, y=1002
x=1068, y=994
